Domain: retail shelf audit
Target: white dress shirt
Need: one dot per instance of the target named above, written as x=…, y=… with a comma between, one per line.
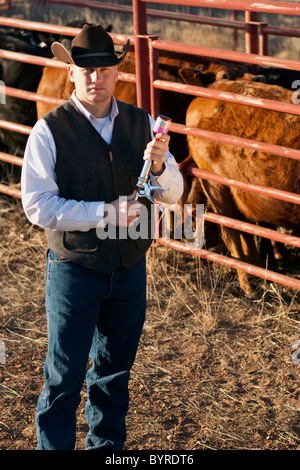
x=40, y=194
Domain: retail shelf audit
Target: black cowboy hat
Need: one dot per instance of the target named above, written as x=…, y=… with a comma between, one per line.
x=92, y=47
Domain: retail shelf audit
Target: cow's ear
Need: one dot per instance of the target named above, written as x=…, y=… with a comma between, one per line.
x=191, y=76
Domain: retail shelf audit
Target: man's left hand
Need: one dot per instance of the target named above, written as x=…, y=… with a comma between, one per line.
x=156, y=151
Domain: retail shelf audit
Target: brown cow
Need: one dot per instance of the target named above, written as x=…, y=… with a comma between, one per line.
x=247, y=165
x=173, y=67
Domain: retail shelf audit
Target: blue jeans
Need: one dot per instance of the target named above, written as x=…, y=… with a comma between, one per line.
x=97, y=315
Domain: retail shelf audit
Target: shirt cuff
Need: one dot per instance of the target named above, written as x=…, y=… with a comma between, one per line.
x=171, y=184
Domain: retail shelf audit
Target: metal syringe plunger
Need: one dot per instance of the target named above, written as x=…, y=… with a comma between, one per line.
x=161, y=126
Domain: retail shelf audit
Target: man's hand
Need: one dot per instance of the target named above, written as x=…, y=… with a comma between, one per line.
x=156, y=151
x=122, y=212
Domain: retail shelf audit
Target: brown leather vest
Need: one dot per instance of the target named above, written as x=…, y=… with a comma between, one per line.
x=89, y=169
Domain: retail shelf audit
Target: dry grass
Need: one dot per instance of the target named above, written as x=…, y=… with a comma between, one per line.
x=214, y=366
x=213, y=370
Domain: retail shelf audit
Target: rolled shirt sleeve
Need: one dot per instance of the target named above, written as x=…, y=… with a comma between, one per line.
x=170, y=181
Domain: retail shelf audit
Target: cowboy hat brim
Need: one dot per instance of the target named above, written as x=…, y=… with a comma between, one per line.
x=88, y=60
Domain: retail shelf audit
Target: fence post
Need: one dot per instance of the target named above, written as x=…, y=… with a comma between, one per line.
x=263, y=39
x=154, y=75
x=251, y=35
x=234, y=32
x=141, y=54
x=251, y=41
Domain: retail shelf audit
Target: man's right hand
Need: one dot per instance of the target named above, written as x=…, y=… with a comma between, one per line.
x=122, y=212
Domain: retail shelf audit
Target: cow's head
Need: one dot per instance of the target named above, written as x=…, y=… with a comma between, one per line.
x=207, y=73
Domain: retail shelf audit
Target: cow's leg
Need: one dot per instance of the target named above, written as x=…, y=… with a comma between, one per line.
x=240, y=245
x=271, y=250
x=193, y=194
x=197, y=196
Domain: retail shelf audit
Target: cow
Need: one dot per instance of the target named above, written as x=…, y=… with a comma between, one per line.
x=20, y=75
x=174, y=67
x=248, y=165
x=283, y=77
x=24, y=76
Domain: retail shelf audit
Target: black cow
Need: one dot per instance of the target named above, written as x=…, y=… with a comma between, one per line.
x=282, y=77
x=23, y=76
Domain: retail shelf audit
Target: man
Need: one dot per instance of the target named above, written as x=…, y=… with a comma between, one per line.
x=81, y=161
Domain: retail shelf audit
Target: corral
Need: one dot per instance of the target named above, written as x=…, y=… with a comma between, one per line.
x=244, y=405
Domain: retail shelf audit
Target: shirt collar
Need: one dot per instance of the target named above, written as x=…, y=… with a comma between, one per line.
x=113, y=113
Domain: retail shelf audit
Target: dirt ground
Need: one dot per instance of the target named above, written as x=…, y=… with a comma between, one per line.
x=214, y=370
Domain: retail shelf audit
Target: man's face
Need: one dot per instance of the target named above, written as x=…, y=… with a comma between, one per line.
x=93, y=85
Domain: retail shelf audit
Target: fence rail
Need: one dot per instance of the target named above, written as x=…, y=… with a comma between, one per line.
x=279, y=8
x=148, y=86
x=230, y=262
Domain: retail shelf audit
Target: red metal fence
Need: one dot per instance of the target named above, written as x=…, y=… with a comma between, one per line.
x=148, y=86
x=256, y=47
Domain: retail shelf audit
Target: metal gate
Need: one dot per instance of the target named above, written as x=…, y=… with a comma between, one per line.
x=148, y=85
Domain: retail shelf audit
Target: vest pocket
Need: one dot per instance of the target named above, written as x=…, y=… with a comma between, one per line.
x=81, y=242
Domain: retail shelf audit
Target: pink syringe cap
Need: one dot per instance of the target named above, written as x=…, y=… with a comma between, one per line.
x=162, y=124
